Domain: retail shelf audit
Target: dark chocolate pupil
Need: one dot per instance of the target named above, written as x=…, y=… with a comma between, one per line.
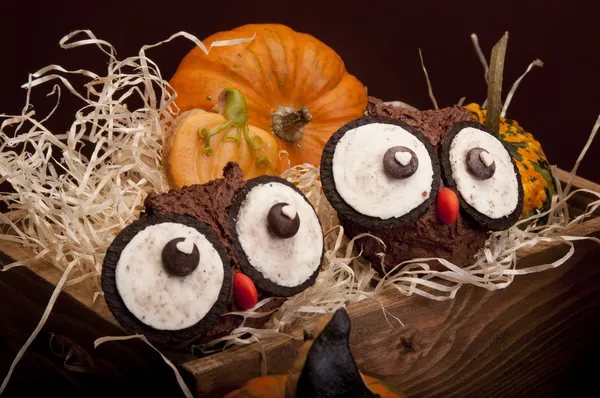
x=280, y=224
x=477, y=166
x=400, y=162
x=177, y=261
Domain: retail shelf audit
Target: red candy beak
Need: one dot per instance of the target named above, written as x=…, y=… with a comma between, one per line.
x=244, y=291
x=447, y=206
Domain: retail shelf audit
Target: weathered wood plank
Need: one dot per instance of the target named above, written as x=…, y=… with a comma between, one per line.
x=578, y=202
x=83, y=292
x=128, y=368
x=578, y=182
x=510, y=342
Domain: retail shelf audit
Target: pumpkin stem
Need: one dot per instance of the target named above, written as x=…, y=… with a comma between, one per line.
x=288, y=124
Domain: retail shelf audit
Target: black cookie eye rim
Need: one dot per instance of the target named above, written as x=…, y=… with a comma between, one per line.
x=119, y=309
x=492, y=224
x=263, y=284
x=347, y=211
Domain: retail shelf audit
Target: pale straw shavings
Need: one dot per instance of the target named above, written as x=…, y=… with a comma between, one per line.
x=67, y=207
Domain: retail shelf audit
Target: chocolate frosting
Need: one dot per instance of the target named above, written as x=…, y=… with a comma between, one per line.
x=427, y=236
x=432, y=124
x=208, y=203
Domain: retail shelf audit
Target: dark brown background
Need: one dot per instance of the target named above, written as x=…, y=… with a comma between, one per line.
x=378, y=41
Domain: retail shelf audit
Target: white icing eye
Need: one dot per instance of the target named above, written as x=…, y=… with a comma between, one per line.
x=156, y=297
x=167, y=277
x=383, y=172
x=280, y=240
x=482, y=171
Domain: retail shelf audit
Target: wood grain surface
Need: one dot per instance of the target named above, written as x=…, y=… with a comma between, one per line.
x=510, y=342
x=84, y=291
x=128, y=368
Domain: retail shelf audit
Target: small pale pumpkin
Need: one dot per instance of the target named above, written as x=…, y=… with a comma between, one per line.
x=296, y=86
x=536, y=175
x=201, y=143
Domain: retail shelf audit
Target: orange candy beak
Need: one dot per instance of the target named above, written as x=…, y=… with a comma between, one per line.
x=447, y=206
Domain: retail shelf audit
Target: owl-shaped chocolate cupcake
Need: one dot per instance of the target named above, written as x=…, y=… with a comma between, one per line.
x=396, y=174
x=205, y=250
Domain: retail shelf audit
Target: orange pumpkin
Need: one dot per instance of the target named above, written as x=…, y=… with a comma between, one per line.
x=201, y=143
x=266, y=386
x=274, y=387
x=295, y=86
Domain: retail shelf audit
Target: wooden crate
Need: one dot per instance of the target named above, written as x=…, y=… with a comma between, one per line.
x=525, y=340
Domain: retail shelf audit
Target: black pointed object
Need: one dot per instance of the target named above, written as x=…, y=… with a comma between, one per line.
x=329, y=369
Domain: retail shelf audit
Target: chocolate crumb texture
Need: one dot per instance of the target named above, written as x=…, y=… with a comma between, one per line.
x=206, y=203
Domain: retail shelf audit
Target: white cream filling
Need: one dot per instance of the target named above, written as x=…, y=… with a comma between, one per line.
x=185, y=246
x=289, y=211
x=361, y=180
x=486, y=158
x=403, y=158
x=155, y=297
x=495, y=197
x=286, y=262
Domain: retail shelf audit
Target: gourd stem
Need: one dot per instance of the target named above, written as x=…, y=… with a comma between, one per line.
x=494, y=100
x=288, y=123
